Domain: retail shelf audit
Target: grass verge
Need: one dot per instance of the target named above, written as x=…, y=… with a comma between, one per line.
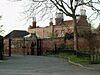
x=73, y=58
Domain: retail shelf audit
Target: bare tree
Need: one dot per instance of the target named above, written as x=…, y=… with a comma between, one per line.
x=1, y=31
x=68, y=7
x=1, y=28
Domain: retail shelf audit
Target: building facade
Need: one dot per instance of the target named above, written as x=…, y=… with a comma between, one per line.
x=61, y=27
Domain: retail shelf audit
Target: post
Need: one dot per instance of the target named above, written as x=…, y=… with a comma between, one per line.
x=24, y=47
x=39, y=47
x=32, y=48
x=9, y=47
x=55, y=49
x=1, y=48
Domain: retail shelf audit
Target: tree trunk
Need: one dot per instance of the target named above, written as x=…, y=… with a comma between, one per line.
x=75, y=34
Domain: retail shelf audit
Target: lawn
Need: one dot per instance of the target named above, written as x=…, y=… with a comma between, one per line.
x=74, y=58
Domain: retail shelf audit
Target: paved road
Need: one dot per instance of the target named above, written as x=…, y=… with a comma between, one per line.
x=41, y=65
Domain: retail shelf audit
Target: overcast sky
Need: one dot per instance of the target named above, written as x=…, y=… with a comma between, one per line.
x=13, y=18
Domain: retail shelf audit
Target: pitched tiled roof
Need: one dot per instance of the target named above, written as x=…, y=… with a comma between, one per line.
x=16, y=34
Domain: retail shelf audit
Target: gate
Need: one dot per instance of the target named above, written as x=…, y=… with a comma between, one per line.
x=1, y=47
x=17, y=46
x=23, y=47
x=39, y=47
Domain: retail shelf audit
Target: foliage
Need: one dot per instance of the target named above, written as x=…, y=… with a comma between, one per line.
x=98, y=30
x=76, y=59
x=68, y=36
x=91, y=38
x=73, y=58
x=62, y=46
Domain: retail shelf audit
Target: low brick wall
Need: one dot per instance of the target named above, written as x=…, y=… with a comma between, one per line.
x=48, y=44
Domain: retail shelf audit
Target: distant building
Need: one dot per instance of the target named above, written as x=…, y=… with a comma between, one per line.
x=61, y=27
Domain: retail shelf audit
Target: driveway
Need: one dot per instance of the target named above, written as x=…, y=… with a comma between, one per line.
x=41, y=65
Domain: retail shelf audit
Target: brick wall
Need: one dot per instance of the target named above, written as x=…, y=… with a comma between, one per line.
x=49, y=44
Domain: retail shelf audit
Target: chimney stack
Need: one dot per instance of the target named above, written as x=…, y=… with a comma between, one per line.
x=51, y=22
x=34, y=22
x=59, y=18
x=83, y=12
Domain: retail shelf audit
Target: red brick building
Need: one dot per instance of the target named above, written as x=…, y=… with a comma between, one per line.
x=60, y=28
